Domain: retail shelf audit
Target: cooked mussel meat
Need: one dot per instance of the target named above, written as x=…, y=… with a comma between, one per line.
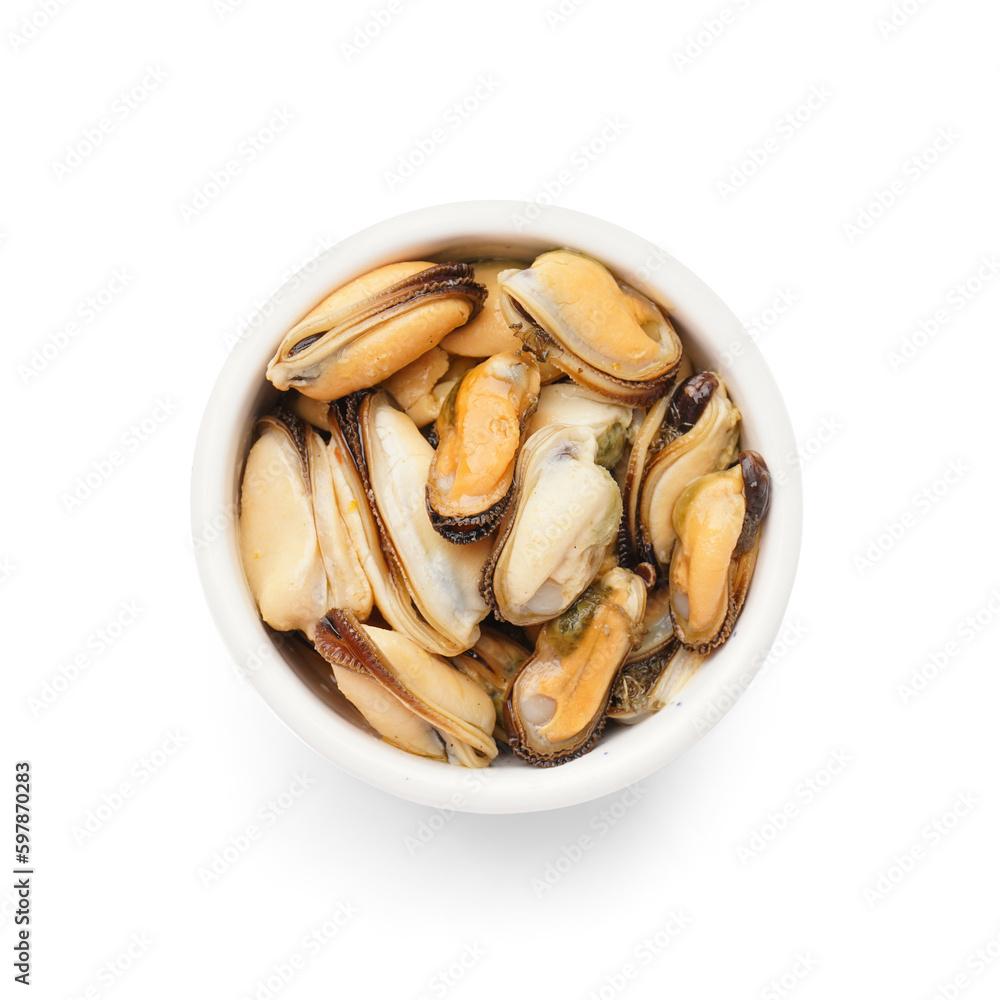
x=694, y=434
x=556, y=706
x=571, y=311
x=374, y=326
x=416, y=700
x=550, y=544
x=478, y=432
x=717, y=520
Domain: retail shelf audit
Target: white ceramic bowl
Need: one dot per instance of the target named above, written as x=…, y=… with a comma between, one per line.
x=282, y=671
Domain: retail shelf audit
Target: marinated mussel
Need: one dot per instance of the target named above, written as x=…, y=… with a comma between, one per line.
x=565, y=512
x=717, y=520
x=416, y=700
x=493, y=663
x=646, y=686
x=442, y=579
x=695, y=433
x=570, y=311
x=531, y=440
x=557, y=704
x=479, y=432
x=297, y=555
x=566, y=404
x=487, y=333
x=374, y=326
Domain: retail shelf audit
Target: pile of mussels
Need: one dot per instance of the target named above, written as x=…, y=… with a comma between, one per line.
x=459, y=439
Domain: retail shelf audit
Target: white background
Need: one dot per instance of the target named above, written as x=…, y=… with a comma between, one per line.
x=822, y=907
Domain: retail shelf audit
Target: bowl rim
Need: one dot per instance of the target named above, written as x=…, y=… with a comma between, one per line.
x=710, y=329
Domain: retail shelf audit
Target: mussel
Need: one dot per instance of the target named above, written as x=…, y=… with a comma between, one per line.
x=374, y=326
x=297, y=555
x=414, y=699
x=529, y=440
x=488, y=333
x=695, y=433
x=479, y=432
x=556, y=706
x=550, y=543
x=567, y=404
x=570, y=311
x=493, y=663
x=385, y=575
x=657, y=667
x=442, y=579
x=312, y=411
x=411, y=385
x=717, y=519
x=646, y=686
